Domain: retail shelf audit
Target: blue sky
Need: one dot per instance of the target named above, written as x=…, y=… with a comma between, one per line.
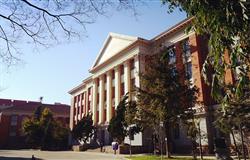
x=52, y=72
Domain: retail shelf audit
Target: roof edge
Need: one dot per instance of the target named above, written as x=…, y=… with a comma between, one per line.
x=80, y=85
x=173, y=28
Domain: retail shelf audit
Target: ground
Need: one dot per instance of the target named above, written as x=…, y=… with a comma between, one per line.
x=56, y=155
x=71, y=155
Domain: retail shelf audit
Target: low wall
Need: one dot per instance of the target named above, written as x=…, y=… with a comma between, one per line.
x=125, y=149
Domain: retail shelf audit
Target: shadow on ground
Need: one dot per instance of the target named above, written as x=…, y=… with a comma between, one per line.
x=16, y=158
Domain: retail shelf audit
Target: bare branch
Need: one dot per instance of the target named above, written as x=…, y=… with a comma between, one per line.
x=43, y=23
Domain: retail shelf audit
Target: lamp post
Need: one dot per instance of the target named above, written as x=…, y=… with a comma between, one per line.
x=160, y=134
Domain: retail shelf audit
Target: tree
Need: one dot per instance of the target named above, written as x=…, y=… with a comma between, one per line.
x=120, y=125
x=117, y=126
x=163, y=98
x=84, y=129
x=227, y=25
x=45, y=132
x=235, y=117
x=46, y=22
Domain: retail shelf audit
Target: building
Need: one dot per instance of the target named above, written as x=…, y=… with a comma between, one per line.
x=12, y=114
x=117, y=67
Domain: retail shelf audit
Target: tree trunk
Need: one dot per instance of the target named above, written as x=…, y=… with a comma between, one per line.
x=235, y=145
x=242, y=143
x=200, y=145
x=194, y=147
x=168, y=142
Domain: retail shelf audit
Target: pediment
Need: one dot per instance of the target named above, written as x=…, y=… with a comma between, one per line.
x=113, y=44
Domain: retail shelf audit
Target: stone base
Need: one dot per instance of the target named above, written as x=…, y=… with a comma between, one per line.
x=78, y=148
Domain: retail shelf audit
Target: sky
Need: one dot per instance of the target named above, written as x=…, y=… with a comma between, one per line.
x=52, y=72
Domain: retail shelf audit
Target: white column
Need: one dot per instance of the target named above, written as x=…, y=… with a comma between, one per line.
x=94, y=95
x=77, y=108
x=86, y=97
x=101, y=99
x=137, y=71
x=80, y=102
x=127, y=76
x=109, y=95
x=71, y=121
x=117, y=85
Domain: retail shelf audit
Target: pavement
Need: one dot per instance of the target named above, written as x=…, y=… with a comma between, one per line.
x=57, y=155
x=65, y=155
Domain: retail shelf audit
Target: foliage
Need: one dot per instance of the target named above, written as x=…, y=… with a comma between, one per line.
x=84, y=129
x=236, y=113
x=163, y=97
x=226, y=22
x=120, y=124
x=45, y=132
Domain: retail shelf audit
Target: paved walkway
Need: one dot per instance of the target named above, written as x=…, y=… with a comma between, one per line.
x=56, y=155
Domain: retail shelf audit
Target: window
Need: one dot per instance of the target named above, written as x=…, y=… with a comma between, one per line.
x=122, y=69
x=132, y=84
x=187, y=59
x=105, y=95
x=113, y=92
x=171, y=55
x=105, y=112
x=105, y=78
x=174, y=71
x=113, y=74
x=186, y=51
x=97, y=98
x=12, y=131
x=13, y=125
x=188, y=70
x=122, y=90
x=13, y=121
x=132, y=64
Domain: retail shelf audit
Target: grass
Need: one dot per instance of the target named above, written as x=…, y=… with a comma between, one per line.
x=155, y=158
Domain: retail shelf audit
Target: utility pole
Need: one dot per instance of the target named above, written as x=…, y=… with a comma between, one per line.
x=160, y=133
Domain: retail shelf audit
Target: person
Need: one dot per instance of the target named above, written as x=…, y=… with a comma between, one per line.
x=114, y=146
x=221, y=150
x=101, y=145
x=33, y=157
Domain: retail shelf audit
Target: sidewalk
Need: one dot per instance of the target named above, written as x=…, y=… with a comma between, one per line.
x=174, y=156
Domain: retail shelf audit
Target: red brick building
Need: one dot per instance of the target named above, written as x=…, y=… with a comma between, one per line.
x=117, y=68
x=12, y=114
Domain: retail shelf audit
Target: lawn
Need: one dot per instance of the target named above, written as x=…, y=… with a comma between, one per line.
x=155, y=158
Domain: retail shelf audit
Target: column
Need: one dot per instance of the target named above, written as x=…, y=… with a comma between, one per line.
x=77, y=108
x=109, y=95
x=101, y=99
x=86, y=94
x=127, y=77
x=94, y=101
x=80, y=102
x=90, y=100
x=72, y=116
x=117, y=85
x=196, y=60
x=137, y=71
